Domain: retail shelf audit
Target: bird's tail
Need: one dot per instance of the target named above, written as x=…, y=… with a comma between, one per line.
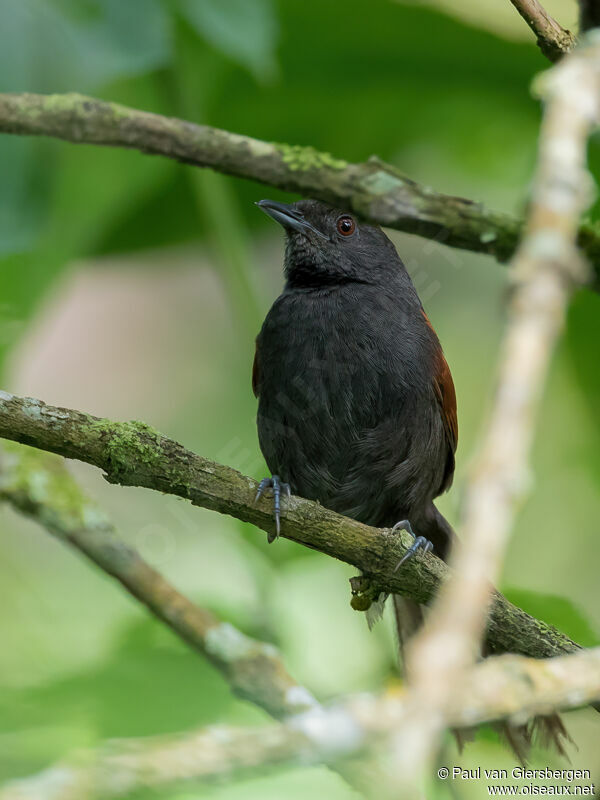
x=546, y=731
x=408, y=614
x=409, y=617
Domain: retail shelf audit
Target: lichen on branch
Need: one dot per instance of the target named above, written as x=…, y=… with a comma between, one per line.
x=134, y=454
x=375, y=190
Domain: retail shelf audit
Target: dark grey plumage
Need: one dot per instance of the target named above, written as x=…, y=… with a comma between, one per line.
x=356, y=402
x=355, y=409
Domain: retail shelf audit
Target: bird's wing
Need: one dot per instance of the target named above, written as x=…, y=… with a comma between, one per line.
x=446, y=396
x=443, y=387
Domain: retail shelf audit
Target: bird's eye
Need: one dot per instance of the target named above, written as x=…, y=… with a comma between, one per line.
x=346, y=226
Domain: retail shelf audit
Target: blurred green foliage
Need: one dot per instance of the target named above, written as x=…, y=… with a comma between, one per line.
x=446, y=102
x=58, y=202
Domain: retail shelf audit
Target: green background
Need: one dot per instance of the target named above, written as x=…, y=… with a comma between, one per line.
x=132, y=287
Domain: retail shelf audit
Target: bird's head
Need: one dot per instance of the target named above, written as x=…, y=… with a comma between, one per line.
x=328, y=246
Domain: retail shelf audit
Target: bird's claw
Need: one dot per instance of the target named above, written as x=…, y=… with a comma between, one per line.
x=420, y=542
x=276, y=485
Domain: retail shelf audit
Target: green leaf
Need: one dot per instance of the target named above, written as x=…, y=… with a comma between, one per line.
x=19, y=206
x=245, y=32
x=557, y=611
x=582, y=344
x=63, y=45
x=48, y=215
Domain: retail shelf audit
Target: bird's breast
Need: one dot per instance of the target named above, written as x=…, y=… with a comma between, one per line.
x=346, y=355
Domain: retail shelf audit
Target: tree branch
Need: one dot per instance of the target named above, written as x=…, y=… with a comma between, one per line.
x=38, y=485
x=125, y=766
x=546, y=269
x=553, y=40
x=498, y=688
x=133, y=454
x=375, y=190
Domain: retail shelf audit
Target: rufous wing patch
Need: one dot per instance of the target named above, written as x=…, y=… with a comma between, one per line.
x=445, y=393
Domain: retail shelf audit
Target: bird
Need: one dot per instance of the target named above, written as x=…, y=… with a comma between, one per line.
x=356, y=403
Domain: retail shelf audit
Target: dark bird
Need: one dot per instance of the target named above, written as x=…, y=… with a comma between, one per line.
x=357, y=407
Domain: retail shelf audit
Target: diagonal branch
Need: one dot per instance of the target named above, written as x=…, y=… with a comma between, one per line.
x=38, y=485
x=122, y=767
x=133, y=454
x=553, y=40
x=498, y=688
x=375, y=190
x=546, y=270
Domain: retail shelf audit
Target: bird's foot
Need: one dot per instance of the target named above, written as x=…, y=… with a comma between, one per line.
x=276, y=487
x=420, y=542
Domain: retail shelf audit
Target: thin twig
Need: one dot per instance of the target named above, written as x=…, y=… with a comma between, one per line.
x=553, y=40
x=38, y=485
x=376, y=190
x=124, y=766
x=507, y=686
x=134, y=454
x=546, y=270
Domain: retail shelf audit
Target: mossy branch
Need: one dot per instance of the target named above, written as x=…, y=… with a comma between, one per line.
x=375, y=190
x=134, y=454
x=507, y=687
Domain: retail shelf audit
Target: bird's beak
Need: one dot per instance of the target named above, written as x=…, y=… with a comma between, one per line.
x=288, y=217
